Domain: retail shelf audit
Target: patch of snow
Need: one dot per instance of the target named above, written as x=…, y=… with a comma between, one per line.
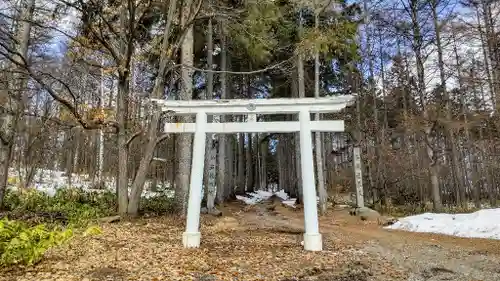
x=282, y=194
x=247, y=200
x=290, y=202
x=480, y=224
x=252, y=198
x=49, y=181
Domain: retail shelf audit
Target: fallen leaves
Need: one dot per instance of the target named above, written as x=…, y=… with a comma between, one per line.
x=232, y=249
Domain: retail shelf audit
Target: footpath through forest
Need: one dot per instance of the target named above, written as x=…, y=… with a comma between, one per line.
x=263, y=242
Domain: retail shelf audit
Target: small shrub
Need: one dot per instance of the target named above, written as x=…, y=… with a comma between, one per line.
x=12, y=180
x=415, y=209
x=404, y=210
x=92, y=230
x=21, y=244
x=161, y=203
x=73, y=206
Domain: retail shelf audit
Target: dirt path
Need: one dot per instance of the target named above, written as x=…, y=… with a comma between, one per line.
x=427, y=257
x=263, y=245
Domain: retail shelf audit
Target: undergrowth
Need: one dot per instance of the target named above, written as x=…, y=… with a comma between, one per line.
x=33, y=221
x=415, y=209
x=73, y=207
x=161, y=204
x=23, y=244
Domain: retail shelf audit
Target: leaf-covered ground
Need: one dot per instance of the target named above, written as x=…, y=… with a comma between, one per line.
x=263, y=244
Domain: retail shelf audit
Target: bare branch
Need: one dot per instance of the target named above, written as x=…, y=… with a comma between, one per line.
x=277, y=65
x=134, y=136
x=161, y=138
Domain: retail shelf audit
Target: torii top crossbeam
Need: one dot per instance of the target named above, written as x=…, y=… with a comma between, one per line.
x=256, y=106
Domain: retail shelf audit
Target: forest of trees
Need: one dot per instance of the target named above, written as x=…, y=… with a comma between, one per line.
x=76, y=77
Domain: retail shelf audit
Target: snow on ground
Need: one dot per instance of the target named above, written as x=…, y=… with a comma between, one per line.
x=260, y=195
x=480, y=224
x=49, y=181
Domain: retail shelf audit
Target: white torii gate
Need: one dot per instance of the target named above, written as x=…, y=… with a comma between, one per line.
x=303, y=106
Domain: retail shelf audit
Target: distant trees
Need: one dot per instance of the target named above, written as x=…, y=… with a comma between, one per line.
x=425, y=118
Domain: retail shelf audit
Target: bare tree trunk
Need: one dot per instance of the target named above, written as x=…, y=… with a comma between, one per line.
x=211, y=159
x=230, y=179
x=70, y=150
x=222, y=157
x=280, y=155
x=126, y=50
x=9, y=126
x=76, y=151
x=264, y=147
x=142, y=171
x=212, y=180
x=241, y=164
x=323, y=195
x=250, y=182
x=492, y=49
x=184, y=141
x=122, y=182
x=373, y=151
x=449, y=131
x=471, y=148
x=5, y=153
x=485, y=46
x=301, y=94
x=429, y=140
x=296, y=144
x=100, y=142
x=291, y=167
x=258, y=156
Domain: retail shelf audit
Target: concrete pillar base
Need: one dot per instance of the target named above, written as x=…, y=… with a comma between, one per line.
x=191, y=239
x=313, y=242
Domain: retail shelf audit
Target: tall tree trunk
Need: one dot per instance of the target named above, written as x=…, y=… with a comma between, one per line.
x=241, y=164
x=76, y=151
x=17, y=98
x=471, y=148
x=323, y=195
x=211, y=159
x=450, y=135
x=222, y=157
x=100, y=132
x=184, y=141
x=492, y=50
x=70, y=150
x=291, y=167
x=373, y=151
x=264, y=148
x=301, y=94
x=485, y=46
x=122, y=182
x=212, y=177
x=280, y=157
x=126, y=50
x=428, y=130
x=230, y=180
x=158, y=90
x=250, y=183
